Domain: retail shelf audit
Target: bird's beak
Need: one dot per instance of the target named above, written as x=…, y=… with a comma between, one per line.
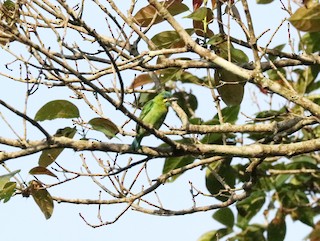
x=171, y=99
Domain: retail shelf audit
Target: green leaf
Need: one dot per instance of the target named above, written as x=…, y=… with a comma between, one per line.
x=231, y=93
x=278, y=48
x=222, y=48
x=216, y=39
x=199, y=15
x=40, y=170
x=270, y=113
x=310, y=41
x=209, y=236
x=212, y=138
x=146, y=14
x=9, y=5
x=169, y=39
x=305, y=215
x=273, y=74
x=172, y=74
x=7, y=192
x=294, y=198
x=187, y=101
x=276, y=230
x=304, y=158
x=302, y=179
x=265, y=183
x=187, y=77
x=214, y=235
x=6, y=178
x=306, y=79
x=57, y=109
x=42, y=198
x=196, y=121
x=107, y=127
x=226, y=172
x=172, y=163
x=281, y=179
x=224, y=216
x=230, y=114
x=313, y=74
x=250, y=233
x=249, y=207
x=307, y=19
x=49, y=156
x=238, y=56
x=202, y=17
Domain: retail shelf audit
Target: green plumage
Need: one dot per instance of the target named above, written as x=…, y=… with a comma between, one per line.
x=153, y=113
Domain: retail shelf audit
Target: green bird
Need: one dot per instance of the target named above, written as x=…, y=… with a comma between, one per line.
x=153, y=113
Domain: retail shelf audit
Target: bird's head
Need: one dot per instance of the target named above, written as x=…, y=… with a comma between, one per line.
x=166, y=94
x=167, y=97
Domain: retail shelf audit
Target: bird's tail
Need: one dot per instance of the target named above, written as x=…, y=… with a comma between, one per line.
x=136, y=143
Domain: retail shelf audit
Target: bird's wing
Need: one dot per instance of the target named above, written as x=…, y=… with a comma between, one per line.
x=146, y=109
x=156, y=114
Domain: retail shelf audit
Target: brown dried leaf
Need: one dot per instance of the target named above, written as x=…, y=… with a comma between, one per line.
x=196, y=4
x=42, y=197
x=141, y=80
x=41, y=171
x=214, y=4
x=146, y=14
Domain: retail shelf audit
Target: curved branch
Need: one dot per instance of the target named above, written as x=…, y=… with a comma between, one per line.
x=274, y=127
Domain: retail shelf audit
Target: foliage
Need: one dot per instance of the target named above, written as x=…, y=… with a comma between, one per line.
x=100, y=76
